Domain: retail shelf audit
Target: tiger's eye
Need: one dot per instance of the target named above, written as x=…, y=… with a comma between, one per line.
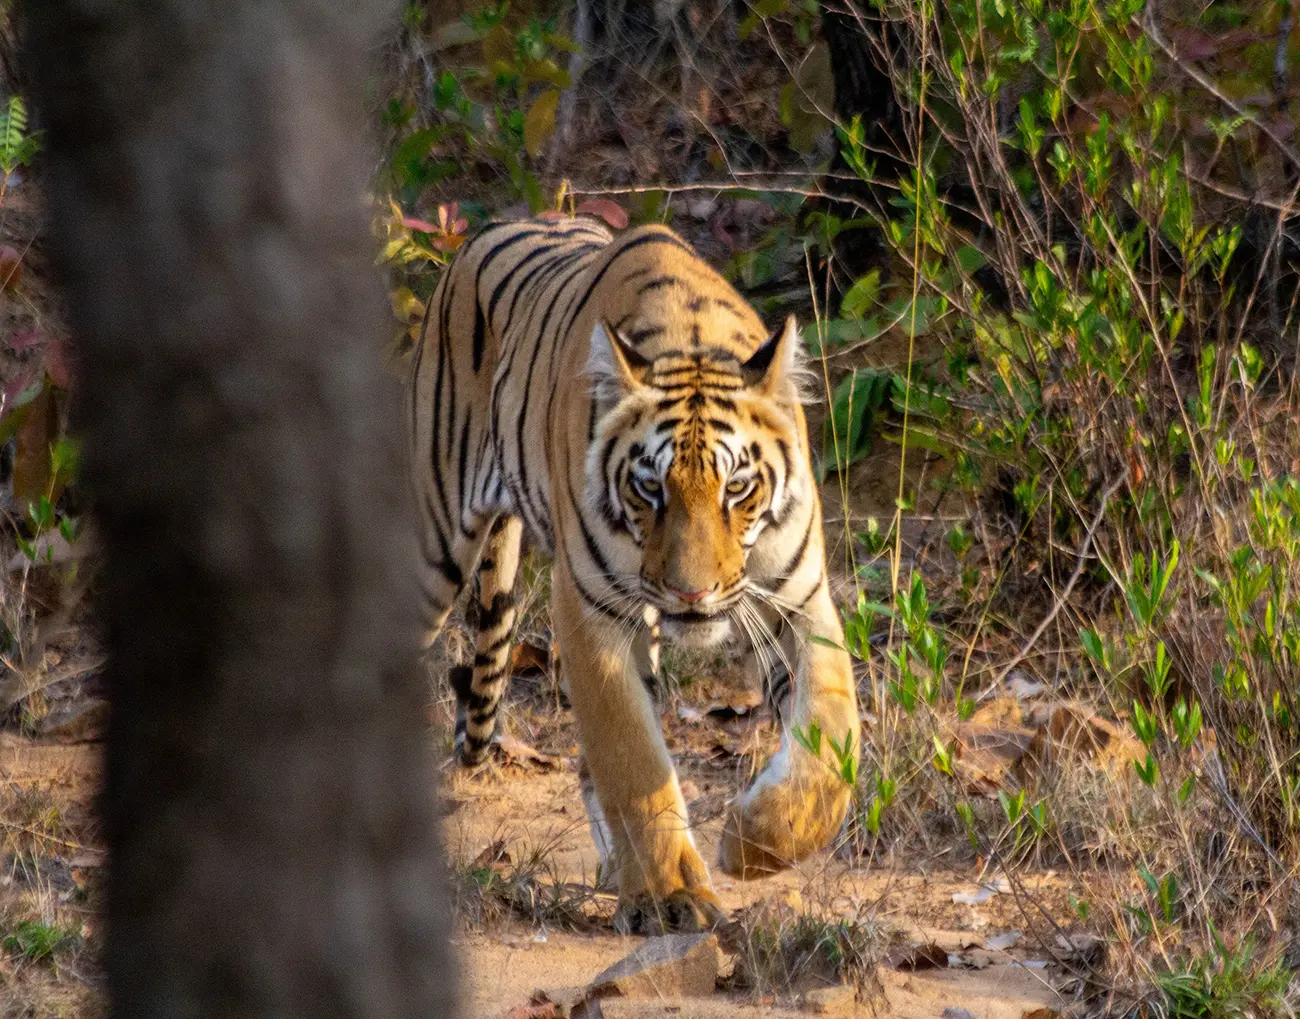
x=737, y=486
x=649, y=485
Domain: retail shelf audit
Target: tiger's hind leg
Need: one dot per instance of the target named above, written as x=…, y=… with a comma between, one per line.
x=491, y=615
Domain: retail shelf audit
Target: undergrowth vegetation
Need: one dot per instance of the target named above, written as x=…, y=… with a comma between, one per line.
x=1110, y=305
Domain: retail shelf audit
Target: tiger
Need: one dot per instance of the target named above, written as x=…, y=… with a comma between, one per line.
x=616, y=396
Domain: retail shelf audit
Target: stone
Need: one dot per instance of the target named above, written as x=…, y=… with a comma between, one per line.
x=669, y=966
x=839, y=1000
x=565, y=1002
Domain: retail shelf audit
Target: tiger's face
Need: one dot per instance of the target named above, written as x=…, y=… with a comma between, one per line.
x=694, y=461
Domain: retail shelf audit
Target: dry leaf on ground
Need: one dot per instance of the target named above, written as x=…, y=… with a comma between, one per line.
x=926, y=956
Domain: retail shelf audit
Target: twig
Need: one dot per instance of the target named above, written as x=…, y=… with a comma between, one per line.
x=16, y=688
x=1214, y=771
x=1281, y=75
x=14, y=826
x=720, y=186
x=1064, y=596
x=1281, y=81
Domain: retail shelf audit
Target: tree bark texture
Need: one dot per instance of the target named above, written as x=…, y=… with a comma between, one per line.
x=853, y=34
x=269, y=799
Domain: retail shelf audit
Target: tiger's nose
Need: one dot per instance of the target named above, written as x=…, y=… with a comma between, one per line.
x=691, y=597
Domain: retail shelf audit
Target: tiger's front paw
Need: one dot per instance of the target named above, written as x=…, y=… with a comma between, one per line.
x=777, y=825
x=674, y=897
x=683, y=912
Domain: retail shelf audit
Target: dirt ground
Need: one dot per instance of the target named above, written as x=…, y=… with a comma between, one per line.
x=526, y=814
x=531, y=813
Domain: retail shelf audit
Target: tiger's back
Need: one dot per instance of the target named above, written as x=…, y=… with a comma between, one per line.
x=619, y=398
x=473, y=424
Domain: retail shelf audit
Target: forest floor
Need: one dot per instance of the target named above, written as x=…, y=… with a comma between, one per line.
x=531, y=918
x=913, y=928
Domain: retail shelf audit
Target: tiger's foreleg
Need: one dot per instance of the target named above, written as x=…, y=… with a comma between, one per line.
x=663, y=883
x=647, y=667
x=798, y=802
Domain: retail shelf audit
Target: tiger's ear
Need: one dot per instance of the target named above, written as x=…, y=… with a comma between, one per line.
x=776, y=362
x=615, y=368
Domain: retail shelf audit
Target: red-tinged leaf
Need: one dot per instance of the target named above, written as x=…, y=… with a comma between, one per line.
x=610, y=211
x=58, y=364
x=411, y=223
x=446, y=244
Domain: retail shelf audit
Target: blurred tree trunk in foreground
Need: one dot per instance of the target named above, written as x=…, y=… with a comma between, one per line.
x=269, y=798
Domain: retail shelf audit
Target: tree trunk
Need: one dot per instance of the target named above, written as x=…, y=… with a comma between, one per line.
x=269, y=800
x=853, y=33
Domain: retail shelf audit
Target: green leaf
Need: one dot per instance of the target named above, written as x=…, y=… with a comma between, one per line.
x=539, y=121
x=17, y=147
x=854, y=407
x=824, y=642
x=547, y=72
x=970, y=258
x=408, y=160
x=861, y=296
x=942, y=756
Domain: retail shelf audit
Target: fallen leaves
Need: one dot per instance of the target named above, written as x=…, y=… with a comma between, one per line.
x=1003, y=744
x=1072, y=729
x=515, y=751
x=927, y=955
x=527, y=657
x=494, y=856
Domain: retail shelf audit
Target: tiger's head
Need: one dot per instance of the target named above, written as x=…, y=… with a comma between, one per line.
x=695, y=454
